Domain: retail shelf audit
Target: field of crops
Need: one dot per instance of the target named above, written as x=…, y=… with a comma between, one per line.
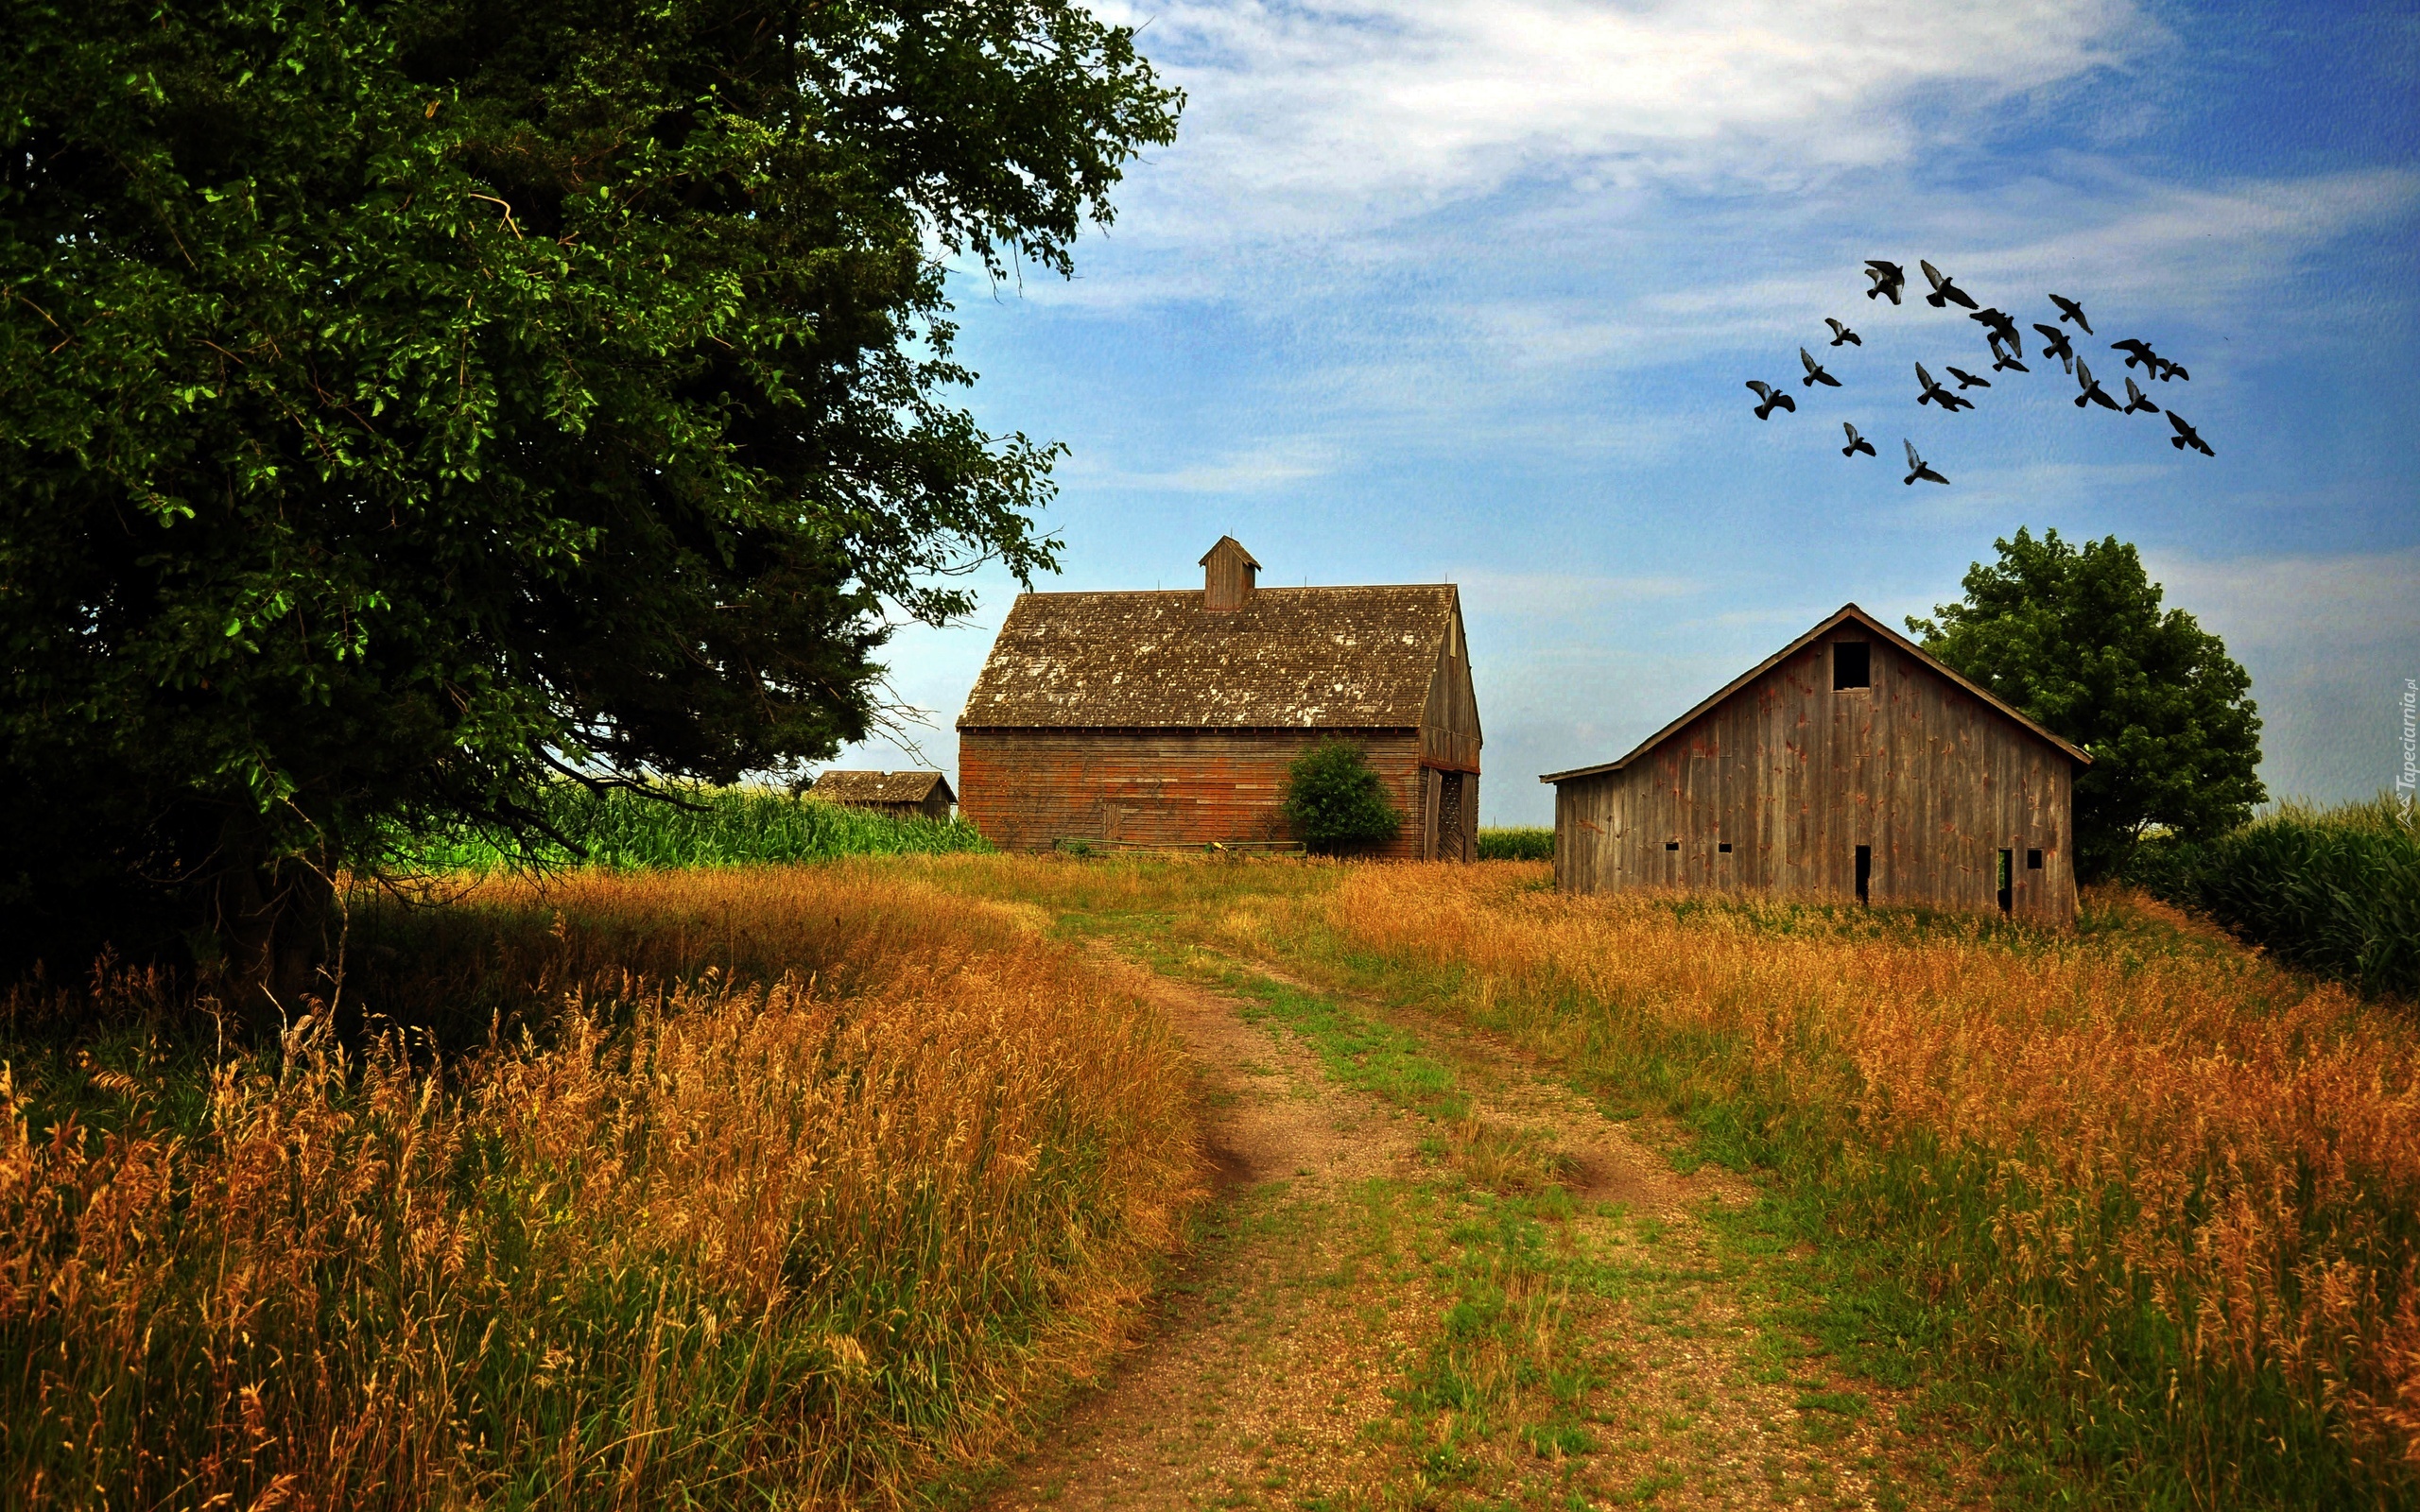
x=1516, y=844
x=2334, y=891
x=747, y=1187
x=688, y=826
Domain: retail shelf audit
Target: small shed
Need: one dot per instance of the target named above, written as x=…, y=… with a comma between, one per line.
x=1169, y=717
x=901, y=794
x=1848, y=764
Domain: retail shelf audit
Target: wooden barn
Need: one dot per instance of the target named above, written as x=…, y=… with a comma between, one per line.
x=1849, y=764
x=1169, y=717
x=901, y=794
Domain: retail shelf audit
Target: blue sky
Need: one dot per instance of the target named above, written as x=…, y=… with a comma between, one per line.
x=1433, y=289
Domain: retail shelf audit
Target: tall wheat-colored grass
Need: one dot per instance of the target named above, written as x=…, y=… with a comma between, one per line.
x=2173, y=1195
x=795, y=1187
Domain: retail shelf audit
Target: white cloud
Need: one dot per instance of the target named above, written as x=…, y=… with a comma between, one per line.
x=2315, y=606
x=2329, y=640
x=1529, y=599
x=1252, y=469
x=1302, y=116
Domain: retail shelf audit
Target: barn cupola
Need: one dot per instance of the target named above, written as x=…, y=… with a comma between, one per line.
x=1227, y=577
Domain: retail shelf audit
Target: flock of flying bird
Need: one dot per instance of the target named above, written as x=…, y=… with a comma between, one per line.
x=2007, y=348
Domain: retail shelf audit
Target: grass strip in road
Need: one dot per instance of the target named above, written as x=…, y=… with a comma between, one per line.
x=1535, y=1382
x=2145, y=1206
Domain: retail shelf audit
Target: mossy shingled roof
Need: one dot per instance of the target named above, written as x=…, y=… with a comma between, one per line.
x=876, y=787
x=1290, y=658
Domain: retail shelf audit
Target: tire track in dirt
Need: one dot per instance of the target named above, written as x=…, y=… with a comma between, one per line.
x=1714, y=1420
x=1265, y=1360
x=1264, y=1377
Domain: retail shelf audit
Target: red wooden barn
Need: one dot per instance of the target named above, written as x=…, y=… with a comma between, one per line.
x=1848, y=764
x=1169, y=717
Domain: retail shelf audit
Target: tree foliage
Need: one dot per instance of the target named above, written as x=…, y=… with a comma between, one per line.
x=2076, y=638
x=1334, y=799
x=402, y=402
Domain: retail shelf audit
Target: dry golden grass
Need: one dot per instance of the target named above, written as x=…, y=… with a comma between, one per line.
x=2155, y=1200
x=2180, y=1189
x=795, y=1186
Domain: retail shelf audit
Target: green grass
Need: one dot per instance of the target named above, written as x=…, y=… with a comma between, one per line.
x=1516, y=844
x=684, y=826
x=1889, y=1254
x=2335, y=892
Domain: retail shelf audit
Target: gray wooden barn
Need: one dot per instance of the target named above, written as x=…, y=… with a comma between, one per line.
x=901, y=794
x=1849, y=764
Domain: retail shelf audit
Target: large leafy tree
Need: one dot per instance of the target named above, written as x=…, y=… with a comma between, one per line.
x=402, y=402
x=2075, y=637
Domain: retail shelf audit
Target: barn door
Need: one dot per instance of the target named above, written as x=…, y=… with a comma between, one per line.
x=1452, y=828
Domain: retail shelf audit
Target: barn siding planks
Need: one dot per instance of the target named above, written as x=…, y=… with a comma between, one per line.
x=1449, y=733
x=1796, y=775
x=1026, y=789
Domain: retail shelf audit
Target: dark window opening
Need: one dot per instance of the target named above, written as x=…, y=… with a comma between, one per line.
x=1852, y=665
x=1864, y=871
x=1672, y=844
x=1725, y=847
x=2008, y=880
x=2033, y=860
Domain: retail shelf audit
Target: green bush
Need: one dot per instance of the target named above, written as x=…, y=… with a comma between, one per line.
x=2335, y=892
x=684, y=825
x=1335, y=802
x=1521, y=844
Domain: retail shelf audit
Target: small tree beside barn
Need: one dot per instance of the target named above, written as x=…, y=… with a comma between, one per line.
x=1171, y=718
x=1849, y=764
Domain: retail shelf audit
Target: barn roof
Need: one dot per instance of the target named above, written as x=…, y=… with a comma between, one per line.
x=1290, y=658
x=878, y=787
x=1846, y=613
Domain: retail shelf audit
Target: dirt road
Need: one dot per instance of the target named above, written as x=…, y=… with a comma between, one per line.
x=1316, y=1349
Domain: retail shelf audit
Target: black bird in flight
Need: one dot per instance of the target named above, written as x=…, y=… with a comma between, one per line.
x=1774, y=398
x=1856, y=443
x=1967, y=380
x=2054, y=344
x=1843, y=334
x=2138, y=402
x=1815, y=373
x=2070, y=310
x=2137, y=349
x=2002, y=362
x=2093, y=393
x=2173, y=369
x=1999, y=328
x=2187, y=435
x=1944, y=293
x=1935, y=394
x=1889, y=278
x=1917, y=467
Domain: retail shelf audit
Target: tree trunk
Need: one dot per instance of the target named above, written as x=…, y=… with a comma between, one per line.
x=272, y=914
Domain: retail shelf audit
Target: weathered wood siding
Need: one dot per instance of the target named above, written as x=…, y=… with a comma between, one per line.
x=894, y=811
x=1025, y=789
x=1795, y=776
x=1229, y=576
x=935, y=806
x=1448, y=812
